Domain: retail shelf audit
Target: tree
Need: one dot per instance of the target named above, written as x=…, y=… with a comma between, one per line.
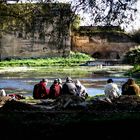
x=136, y=35
x=37, y=22
x=101, y=12
x=132, y=56
x=76, y=22
x=108, y=12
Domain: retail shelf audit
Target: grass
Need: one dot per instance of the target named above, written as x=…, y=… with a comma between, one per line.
x=134, y=70
x=74, y=59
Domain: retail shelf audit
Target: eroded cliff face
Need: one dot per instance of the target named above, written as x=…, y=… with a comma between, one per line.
x=103, y=45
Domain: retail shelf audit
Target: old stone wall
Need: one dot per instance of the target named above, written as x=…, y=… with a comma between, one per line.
x=103, y=45
x=46, y=35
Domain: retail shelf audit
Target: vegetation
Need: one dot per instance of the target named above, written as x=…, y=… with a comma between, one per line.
x=134, y=71
x=76, y=23
x=106, y=31
x=136, y=36
x=133, y=56
x=74, y=59
x=107, y=12
x=102, y=12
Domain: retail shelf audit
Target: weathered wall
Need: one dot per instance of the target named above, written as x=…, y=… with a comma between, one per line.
x=47, y=36
x=105, y=45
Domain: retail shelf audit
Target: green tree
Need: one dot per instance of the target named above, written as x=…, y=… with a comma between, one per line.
x=136, y=35
x=76, y=22
x=102, y=12
x=132, y=56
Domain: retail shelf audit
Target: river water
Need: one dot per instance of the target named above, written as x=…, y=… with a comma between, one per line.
x=22, y=82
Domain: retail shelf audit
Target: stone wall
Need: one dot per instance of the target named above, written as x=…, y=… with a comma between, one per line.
x=47, y=35
x=103, y=45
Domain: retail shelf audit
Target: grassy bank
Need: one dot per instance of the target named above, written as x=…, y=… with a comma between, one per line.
x=134, y=72
x=74, y=59
x=135, y=69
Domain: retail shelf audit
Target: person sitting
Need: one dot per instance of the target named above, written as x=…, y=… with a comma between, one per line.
x=69, y=87
x=40, y=90
x=55, y=89
x=60, y=82
x=82, y=92
x=111, y=90
x=2, y=92
x=130, y=88
x=125, y=87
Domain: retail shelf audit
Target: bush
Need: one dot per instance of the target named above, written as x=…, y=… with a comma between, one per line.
x=132, y=56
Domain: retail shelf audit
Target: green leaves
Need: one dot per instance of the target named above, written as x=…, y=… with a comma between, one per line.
x=133, y=56
x=73, y=60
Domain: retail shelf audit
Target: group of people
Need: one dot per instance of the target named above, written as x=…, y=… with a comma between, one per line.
x=128, y=88
x=58, y=88
x=71, y=87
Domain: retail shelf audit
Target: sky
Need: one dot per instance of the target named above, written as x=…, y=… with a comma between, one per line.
x=133, y=26
x=137, y=23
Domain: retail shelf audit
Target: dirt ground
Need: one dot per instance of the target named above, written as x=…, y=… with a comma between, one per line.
x=19, y=120
x=38, y=125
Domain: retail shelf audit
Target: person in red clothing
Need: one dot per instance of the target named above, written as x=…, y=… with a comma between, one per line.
x=55, y=89
x=40, y=90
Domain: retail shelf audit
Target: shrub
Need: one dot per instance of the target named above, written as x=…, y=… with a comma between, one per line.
x=132, y=56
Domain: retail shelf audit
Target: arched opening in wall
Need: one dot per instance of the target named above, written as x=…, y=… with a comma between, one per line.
x=114, y=55
x=97, y=55
x=118, y=56
x=110, y=55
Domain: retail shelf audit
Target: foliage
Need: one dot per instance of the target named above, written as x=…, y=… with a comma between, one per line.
x=78, y=55
x=132, y=56
x=76, y=23
x=133, y=71
x=136, y=36
x=14, y=16
x=37, y=22
x=103, y=12
x=107, y=12
x=106, y=31
x=73, y=60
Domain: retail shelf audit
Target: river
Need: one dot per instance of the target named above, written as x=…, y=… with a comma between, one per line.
x=22, y=81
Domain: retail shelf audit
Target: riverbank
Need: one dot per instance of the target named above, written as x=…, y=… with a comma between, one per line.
x=121, y=68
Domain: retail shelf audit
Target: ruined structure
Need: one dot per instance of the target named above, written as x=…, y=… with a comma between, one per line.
x=102, y=42
x=43, y=32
